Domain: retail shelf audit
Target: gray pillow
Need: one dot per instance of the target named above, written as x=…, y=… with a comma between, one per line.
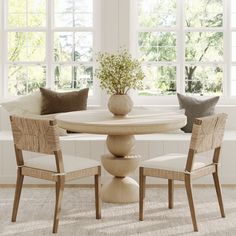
x=195, y=108
x=56, y=102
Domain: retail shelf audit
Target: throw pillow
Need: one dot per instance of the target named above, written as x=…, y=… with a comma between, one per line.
x=195, y=108
x=56, y=102
x=29, y=104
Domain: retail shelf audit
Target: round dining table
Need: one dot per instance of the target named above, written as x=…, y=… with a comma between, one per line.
x=121, y=130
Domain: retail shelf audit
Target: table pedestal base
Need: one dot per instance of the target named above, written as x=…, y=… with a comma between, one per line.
x=120, y=190
x=120, y=163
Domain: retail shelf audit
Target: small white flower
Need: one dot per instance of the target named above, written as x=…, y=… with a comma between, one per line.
x=118, y=73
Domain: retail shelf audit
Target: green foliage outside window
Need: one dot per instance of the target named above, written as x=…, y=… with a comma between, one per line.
x=200, y=47
x=26, y=47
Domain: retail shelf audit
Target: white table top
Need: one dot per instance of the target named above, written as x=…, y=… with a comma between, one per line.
x=139, y=121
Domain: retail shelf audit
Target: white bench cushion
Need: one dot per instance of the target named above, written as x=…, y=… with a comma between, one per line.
x=71, y=163
x=176, y=162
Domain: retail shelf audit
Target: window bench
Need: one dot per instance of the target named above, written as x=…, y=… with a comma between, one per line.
x=93, y=146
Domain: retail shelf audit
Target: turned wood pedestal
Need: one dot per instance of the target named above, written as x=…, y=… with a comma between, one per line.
x=122, y=159
x=120, y=163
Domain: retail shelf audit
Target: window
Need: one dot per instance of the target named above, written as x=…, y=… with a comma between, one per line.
x=185, y=47
x=233, y=48
x=73, y=44
x=204, y=61
x=49, y=43
x=157, y=41
x=25, y=33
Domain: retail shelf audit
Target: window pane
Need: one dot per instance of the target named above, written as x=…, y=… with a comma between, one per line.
x=63, y=5
x=203, y=80
x=159, y=81
x=234, y=46
x=233, y=16
x=26, y=46
x=73, y=77
x=83, y=46
x=36, y=20
x=17, y=20
x=64, y=19
x=25, y=79
x=157, y=46
x=16, y=6
x=63, y=46
x=233, y=82
x=154, y=13
x=204, y=46
x=84, y=5
x=83, y=20
x=73, y=13
x=27, y=13
x=204, y=13
x=70, y=46
x=73, y=20
x=36, y=6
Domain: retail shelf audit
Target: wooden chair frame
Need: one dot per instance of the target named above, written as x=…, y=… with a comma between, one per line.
x=207, y=135
x=41, y=136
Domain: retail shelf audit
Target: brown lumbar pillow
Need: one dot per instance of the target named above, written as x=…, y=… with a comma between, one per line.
x=196, y=108
x=56, y=102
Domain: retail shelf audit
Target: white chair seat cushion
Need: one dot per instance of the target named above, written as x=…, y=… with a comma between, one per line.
x=176, y=162
x=71, y=163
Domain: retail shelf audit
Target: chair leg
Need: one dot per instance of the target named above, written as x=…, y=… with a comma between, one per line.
x=188, y=186
x=142, y=181
x=59, y=192
x=97, y=195
x=56, y=190
x=218, y=192
x=19, y=183
x=170, y=193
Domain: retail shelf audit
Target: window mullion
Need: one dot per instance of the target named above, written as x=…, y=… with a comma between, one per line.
x=49, y=46
x=96, y=30
x=4, y=49
x=227, y=50
x=157, y=29
x=180, y=47
x=1, y=49
x=27, y=12
x=25, y=29
x=203, y=29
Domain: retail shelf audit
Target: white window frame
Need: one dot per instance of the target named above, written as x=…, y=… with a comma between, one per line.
x=233, y=63
x=49, y=30
x=1, y=51
x=180, y=29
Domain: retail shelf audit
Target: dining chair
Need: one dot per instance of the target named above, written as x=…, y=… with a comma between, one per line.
x=41, y=136
x=207, y=134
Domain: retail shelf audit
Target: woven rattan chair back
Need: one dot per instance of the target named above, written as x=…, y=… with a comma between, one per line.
x=207, y=133
x=35, y=135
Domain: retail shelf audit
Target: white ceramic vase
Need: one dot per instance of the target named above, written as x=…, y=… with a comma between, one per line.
x=120, y=105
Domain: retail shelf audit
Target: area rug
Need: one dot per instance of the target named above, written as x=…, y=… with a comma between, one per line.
x=35, y=215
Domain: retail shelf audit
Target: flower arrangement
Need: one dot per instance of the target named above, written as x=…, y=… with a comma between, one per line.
x=118, y=73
